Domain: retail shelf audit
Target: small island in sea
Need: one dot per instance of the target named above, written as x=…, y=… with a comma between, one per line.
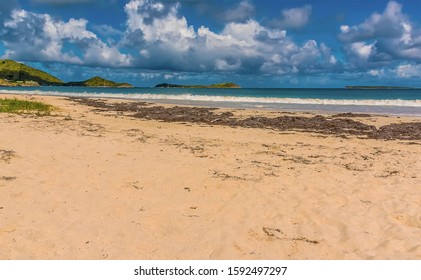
x=13, y=74
x=97, y=82
x=222, y=85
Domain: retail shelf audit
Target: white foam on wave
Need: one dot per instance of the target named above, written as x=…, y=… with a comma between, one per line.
x=234, y=99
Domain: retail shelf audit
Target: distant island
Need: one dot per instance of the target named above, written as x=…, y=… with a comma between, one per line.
x=97, y=82
x=223, y=85
x=13, y=74
x=377, y=87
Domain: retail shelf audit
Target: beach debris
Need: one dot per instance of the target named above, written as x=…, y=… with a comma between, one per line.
x=135, y=185
x=8, y=178
x=351, y=115
x=275, y=232
x=366, y=201
x=340, y=124
x=6, y=155
x=191, y=216
x=388, y=173
x=224, y=176
x=402, y=131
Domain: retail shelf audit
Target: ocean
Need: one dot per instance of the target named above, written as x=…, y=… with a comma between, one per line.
x=374, y=101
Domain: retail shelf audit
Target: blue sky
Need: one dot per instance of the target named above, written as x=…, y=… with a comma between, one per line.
x=265, y=43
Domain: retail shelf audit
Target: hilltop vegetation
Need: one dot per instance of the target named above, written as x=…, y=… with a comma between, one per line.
x=98, y=82
x=14, y=72
x=223, y=85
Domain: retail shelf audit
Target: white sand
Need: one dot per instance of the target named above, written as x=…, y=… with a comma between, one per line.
x=83, y=185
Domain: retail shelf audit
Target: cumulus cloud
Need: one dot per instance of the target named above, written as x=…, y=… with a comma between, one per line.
x=389, y=24
x=39, y=37
x=294, y=18
x=243, y=11
x=344, y=28
x=159, y=23
x=383, y=38
x=165, y=39
x=157, y=37
x=31, y=36
x=408, y=71
x=99, y=54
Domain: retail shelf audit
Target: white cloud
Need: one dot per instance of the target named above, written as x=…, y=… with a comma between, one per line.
x=223, y=65
x=29, y=34
x=103, y=55
x=243, y=11
x=74, y=29
x=384, y=38
x=159, y=23
x=408, y=71
x=389, y=24
x=379, y=73
x=157, y=37
x=39, y=37
x=362, y=50
x=150, y=75
x=295, y=17
x=247, y=46
x=344, y=28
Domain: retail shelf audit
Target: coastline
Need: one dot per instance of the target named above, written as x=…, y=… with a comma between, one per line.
x=296, y=100
x=96, y=182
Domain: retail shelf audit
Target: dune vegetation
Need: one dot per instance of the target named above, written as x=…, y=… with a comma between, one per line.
x=15, y=106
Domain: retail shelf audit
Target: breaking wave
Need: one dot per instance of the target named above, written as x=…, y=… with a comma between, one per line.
x=227, y=99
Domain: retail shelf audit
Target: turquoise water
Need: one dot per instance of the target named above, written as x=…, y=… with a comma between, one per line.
x=382, y=101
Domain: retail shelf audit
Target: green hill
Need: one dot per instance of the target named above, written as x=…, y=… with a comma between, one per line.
x=97, y=82
x=14, y=72
x=223, y=85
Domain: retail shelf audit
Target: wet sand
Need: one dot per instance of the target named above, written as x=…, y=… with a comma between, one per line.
x=113, y=179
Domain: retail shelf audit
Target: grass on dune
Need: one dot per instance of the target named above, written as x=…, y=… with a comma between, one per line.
x=24, y=107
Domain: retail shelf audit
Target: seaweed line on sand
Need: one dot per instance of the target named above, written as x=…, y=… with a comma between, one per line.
x=339, y=125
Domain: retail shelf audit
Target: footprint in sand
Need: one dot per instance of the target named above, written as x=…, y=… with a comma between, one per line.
x=7, y=155
x=408, y=220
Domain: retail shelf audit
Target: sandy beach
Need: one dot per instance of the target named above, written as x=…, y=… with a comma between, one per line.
x=98, y=181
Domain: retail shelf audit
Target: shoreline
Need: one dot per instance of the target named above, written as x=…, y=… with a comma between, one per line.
x=97, y=181
x=315, y=105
